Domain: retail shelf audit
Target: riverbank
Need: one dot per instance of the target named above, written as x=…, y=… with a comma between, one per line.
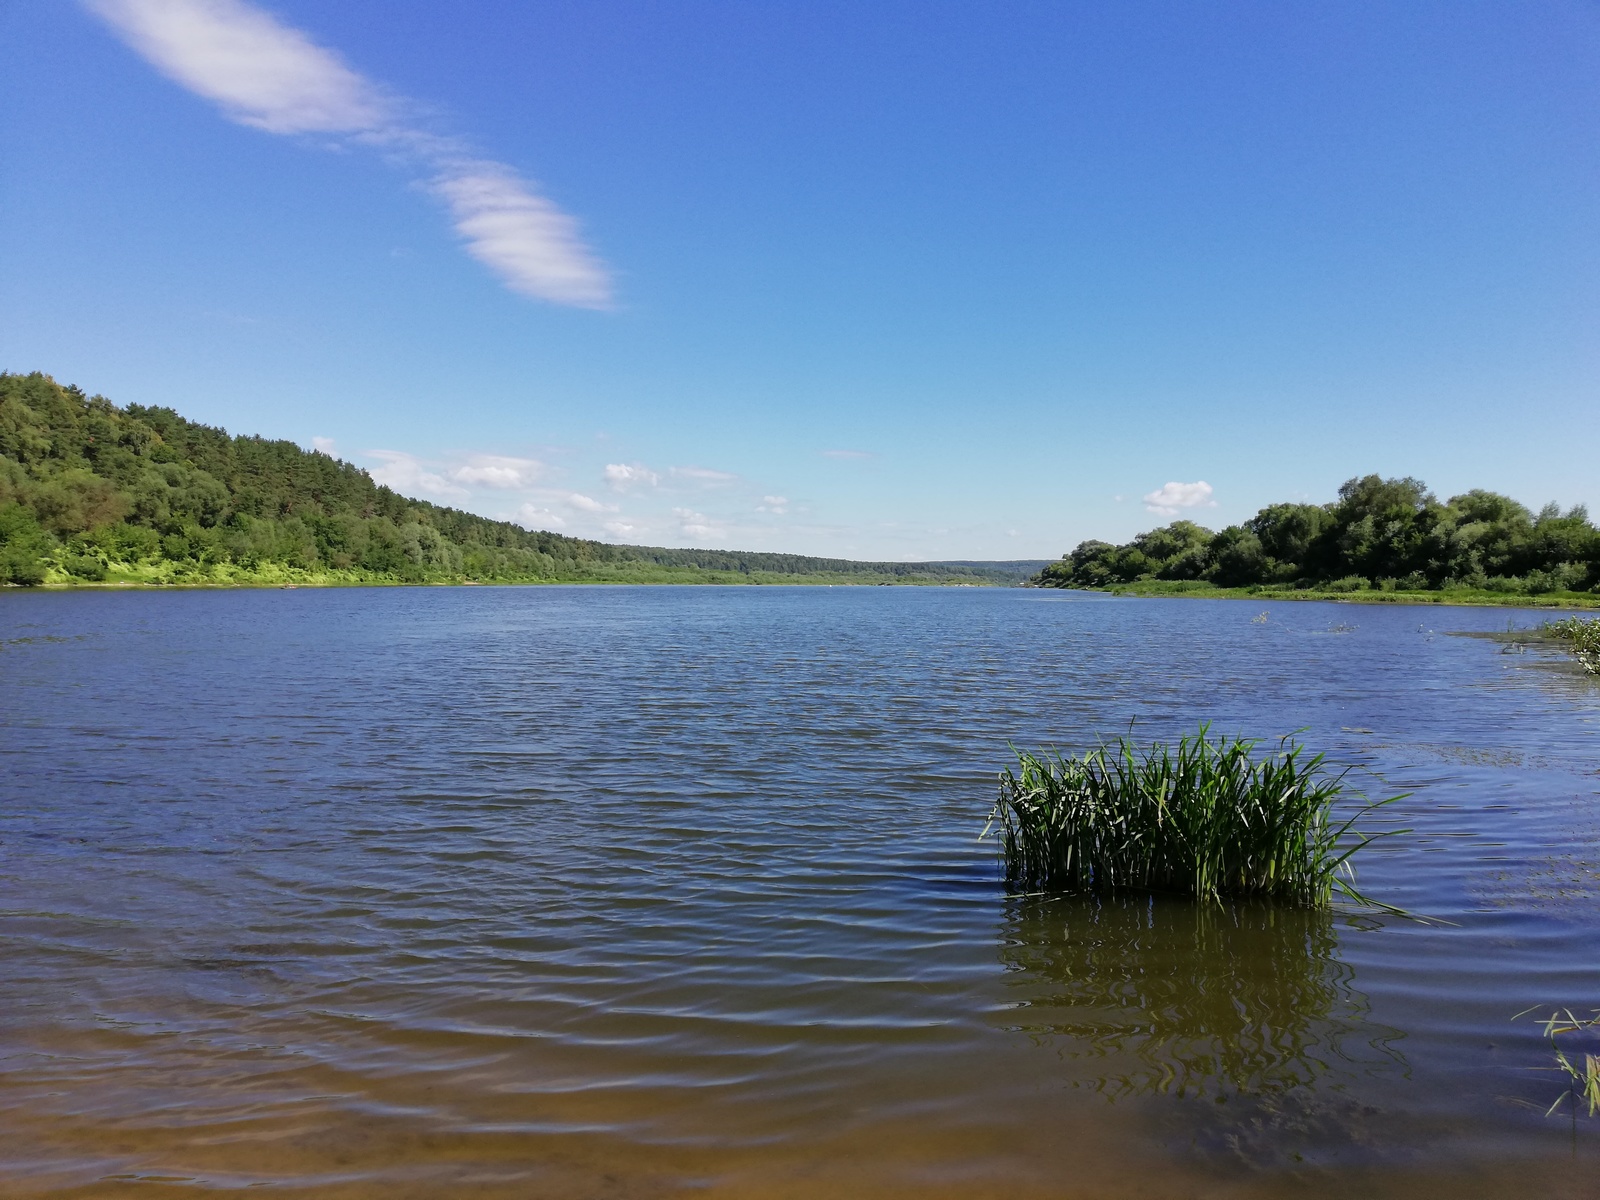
x=165, y=574
x=1475, y=597
x=93, y=494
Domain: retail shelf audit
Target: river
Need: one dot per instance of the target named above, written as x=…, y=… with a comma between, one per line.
x=639, y=892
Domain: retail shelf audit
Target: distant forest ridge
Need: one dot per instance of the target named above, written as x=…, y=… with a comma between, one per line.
x=1379, y=535
x=91, y=493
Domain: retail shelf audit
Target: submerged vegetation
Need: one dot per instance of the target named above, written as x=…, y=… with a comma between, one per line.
x=93, y=493
x=1211, y=819
x=1581, y=637
x=1380, y=538
x=1581, y=1069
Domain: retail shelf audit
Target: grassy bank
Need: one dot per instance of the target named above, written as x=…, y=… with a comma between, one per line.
x=270, y=575
x=1463, y=595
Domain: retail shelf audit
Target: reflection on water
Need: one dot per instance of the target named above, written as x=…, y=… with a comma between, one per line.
x=1188, y=999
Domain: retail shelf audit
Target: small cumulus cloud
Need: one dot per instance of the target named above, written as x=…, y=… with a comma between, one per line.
x=273, y=77
x=534, y=516
x=778, y=505
x=1169, y=498
x=410, y=476
x=498, y=471
x=625, y=476
x=846, y=454
x=588, y=504
x=621, y=528
x=323, y=445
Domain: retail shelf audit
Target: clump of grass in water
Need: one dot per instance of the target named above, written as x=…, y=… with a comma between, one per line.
x=1583, y=638
x=1583, y=1082
x=1209, y=819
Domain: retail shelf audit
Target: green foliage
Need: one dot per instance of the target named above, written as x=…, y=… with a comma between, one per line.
x=1348, y=583
x=1582, y=638
x=92, y=492
x=23, y=546
x=1211, y=819
x=1380, y=534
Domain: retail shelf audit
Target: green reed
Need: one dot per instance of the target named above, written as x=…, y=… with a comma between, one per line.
x=1582, y=637
x=1583, y=1077
x=1210, y=818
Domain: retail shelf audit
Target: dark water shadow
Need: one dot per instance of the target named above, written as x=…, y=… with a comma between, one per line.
x=1162, y=996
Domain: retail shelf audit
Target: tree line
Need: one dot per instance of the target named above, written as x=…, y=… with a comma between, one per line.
x=90, y=492
x=1385, y=534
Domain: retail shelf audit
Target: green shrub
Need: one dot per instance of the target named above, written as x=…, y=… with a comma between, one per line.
x=23, y=545
x=20, y=567
x=85, y=566
x=1350, y=583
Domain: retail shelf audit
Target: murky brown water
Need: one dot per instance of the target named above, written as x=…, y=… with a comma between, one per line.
x=645, y=892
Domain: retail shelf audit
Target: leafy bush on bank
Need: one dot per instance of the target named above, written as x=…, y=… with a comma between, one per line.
x=1381, y=535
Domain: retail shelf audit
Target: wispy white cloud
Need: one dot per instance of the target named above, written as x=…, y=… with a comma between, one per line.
x=410, y=476
x=698, y=525
x=846, y=454
x=1167, y=499
x=622, y=528
x=551, y=508
x=273, y=77
x=323, y=445
x=259, y=72
x=703, y=475
x=777, y=505
x=624, y=477
x=531, y=244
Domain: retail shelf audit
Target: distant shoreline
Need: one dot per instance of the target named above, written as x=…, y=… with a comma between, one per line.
x=701, y=579
x=1455, y=598
x=92, y=494
x=1185, y=591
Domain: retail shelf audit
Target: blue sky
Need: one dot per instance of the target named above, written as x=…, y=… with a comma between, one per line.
x=886, y=280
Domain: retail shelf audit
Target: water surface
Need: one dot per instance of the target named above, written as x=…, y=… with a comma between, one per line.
x=636, y=892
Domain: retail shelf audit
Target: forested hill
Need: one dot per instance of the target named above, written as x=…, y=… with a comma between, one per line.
x=90, y=492
x=1380, y=535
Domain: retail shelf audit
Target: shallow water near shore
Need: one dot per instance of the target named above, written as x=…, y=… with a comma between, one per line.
x=637, y=892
